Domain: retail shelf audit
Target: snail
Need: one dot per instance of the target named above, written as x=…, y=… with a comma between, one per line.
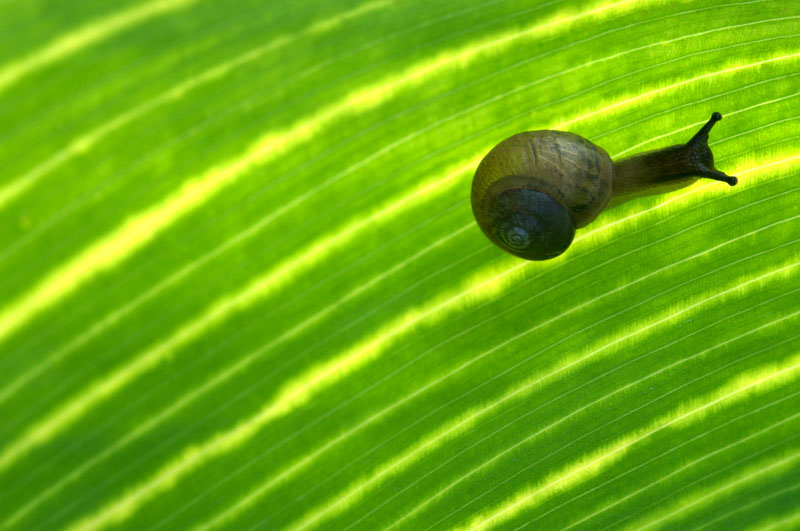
x=532, y=190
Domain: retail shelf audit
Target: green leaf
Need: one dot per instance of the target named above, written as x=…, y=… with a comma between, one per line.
x=241, y=285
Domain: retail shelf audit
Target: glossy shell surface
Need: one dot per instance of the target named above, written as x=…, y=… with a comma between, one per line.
x=575, y=172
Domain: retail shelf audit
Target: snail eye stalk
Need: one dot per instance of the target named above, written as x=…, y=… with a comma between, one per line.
x=702, y=134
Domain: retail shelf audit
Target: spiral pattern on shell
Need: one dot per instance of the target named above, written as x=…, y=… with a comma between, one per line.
x=528, y=224
x=514, y=236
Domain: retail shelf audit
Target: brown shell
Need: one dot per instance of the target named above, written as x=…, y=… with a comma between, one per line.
x=570, y=169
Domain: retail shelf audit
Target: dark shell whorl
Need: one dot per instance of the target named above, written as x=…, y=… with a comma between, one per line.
x=527, y=223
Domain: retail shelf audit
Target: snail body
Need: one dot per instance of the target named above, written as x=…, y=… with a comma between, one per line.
x=532, y=190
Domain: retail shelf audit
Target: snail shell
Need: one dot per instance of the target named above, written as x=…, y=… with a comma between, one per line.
x=533, y=190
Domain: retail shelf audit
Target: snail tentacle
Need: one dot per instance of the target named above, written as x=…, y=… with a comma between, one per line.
x=702, y=134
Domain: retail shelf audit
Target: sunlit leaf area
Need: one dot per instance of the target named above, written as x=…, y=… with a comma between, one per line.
x=242, y=286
